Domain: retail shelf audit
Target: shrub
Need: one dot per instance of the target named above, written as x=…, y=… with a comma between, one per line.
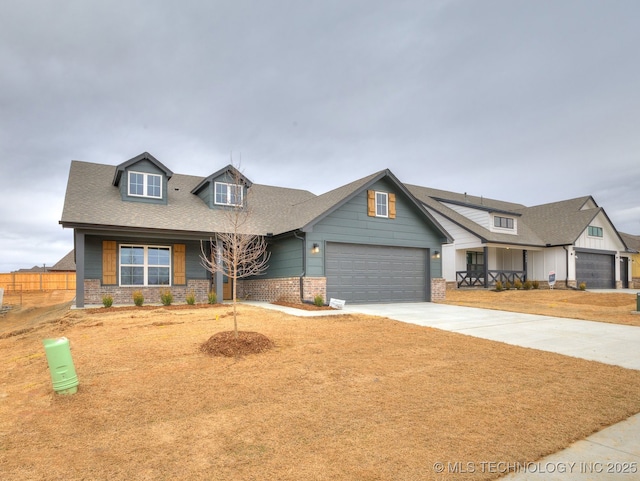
x=166, y=297
x=517, y=284
x=536, y=284
x=499, y=286
x=213, y=297
x=191, y=298
x=507, y=285
x=582, y=286
x=318, y=300
x=138, y=298
x=527, y=285
x=107, y=301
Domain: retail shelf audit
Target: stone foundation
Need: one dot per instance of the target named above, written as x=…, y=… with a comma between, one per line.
x=94, y=292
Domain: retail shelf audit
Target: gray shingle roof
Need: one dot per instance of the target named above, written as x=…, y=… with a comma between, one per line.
x=556, y=223
x=433, y=199
x=92, y=200
x=67, y=263
x=632, y=241
x=560, y=223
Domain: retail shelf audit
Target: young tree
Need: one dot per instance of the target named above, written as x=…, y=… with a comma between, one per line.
x=236, y=252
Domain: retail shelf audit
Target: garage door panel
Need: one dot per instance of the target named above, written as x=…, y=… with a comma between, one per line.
x=364, y=273
x=597, y=271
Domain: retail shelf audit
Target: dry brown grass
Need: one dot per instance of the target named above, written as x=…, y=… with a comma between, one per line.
x=340, y=397
x=611, y=307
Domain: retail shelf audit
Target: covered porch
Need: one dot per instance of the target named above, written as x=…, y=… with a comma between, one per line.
x=487, y=265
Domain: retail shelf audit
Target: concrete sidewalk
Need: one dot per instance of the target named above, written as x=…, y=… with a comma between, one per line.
x=610, y=454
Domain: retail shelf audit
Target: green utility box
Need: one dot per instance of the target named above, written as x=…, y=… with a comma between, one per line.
x=638, y=302
x=63, y=373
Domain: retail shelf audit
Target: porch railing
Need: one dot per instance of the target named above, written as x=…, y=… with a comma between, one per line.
x=477, y=278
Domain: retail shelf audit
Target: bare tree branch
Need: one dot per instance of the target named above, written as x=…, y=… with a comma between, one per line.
x=241, y=254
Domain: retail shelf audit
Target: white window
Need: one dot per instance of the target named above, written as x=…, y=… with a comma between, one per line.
x=595, y=231
x=228, y=194
x=145, y=265
x=145, y=185
x=503, y=222
x=382, y=204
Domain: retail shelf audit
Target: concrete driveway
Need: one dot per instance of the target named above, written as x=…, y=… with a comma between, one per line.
x=597, y=341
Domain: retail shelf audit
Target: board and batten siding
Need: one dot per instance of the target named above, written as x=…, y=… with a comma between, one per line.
x=609, y=240
x=454, y=256
x=541, y=262
x=351, y=224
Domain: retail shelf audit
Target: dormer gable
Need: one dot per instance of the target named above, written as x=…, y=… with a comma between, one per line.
x=142, y=179
x=227, y=187
x=491, y=218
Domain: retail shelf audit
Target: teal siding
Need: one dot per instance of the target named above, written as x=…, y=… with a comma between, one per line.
x=93, y=254
x=351, y=224
x=286, y=259
x=208, y=193
x=147, y=167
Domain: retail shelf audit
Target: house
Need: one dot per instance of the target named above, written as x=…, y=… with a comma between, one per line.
x=66, y=264
x=503, y=241
x=633, y=242
x=139, y=226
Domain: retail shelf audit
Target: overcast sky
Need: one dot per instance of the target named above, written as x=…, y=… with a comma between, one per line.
x=525, y=101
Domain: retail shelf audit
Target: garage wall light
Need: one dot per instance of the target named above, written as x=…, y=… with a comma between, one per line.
x=436, y=255
x=315, y=248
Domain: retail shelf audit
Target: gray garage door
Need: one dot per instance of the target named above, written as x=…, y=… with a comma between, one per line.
x=362, y=274
x=597, y=271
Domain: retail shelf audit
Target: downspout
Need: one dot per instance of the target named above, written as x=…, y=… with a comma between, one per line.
x=566, y=279
x=304, y=264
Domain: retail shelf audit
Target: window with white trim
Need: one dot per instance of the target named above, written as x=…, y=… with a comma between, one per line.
x=382, y=204
x=594, y=231
x=228, y=194
x=145, y=265
x=142, y=184
x=503, y=222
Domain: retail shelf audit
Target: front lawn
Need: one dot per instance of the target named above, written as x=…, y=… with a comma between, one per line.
x=342, y=397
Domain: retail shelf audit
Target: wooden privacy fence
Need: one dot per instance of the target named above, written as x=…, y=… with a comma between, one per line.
x=38, y=281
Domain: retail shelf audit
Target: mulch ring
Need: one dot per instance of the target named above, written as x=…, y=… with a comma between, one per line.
x=225, y=344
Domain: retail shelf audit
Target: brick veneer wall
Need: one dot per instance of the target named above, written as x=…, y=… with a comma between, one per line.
x=94, y=291
x=285, y=289
x=438, y=289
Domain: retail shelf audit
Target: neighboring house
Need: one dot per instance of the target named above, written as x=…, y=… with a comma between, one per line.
x=496, y=240
x=139, y=226
x=66, y=264
x=34, y=269
x=633, y=242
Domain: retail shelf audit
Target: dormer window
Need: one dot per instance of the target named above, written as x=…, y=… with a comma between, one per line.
x=228, y=194
x=503, y=222
x=142, y=184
